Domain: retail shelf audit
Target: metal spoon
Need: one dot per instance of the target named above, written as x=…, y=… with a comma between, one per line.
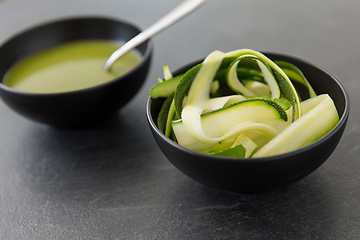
x=176, y=14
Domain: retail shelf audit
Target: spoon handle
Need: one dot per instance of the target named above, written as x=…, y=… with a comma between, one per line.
x=176, y=14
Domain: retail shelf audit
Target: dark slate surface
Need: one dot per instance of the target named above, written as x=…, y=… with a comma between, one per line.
x=112, y=181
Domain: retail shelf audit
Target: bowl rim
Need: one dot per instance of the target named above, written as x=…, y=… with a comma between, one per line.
x=343, y=119
x=144, y=58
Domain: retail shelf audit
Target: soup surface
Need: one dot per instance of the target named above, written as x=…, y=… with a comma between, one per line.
x=69, y=67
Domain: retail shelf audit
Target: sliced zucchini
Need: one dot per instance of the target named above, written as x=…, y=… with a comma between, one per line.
x=295, y=74
x=167, y=73
x=254, y=114
x=199, y=97
x=258, y=88
x=183, y=87
x=233, y=81
x=164, y=112
x=237, y=86
x=318, y=119
x=286, y=87
x=220, y=102
x=247, y=143
x=202, y=111
x=170, y=118
x=165, y=88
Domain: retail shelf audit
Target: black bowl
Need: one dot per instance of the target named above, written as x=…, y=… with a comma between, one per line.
x=77, y=108
x=258, y=174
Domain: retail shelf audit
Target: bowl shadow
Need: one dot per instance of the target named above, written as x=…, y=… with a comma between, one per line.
x=296, y=212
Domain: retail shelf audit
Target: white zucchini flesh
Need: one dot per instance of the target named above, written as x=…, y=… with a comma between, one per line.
x=233, y=81
x=247, y=143
x=270, y=80
x=244, y=116
x=167, y=73
x=186, y=140
x=320, y=116
x=224, y=122
x=198, y=97
x=236, y=85
x=220, y=102
x=258, y=88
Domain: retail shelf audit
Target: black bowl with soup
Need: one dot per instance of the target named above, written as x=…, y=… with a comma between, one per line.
x=77, y=93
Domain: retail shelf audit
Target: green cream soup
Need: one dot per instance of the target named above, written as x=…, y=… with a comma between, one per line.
x=68, y=67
